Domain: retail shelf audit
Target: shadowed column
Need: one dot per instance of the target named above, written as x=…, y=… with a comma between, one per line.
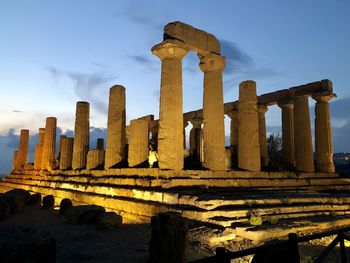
x=262, y=109
x=213, y=112
x=81, y=135
x=323, y=134
x=66, y=153
x=22, y=155
x=48, y=161
x=195, y=138
x=288, y=150
x=116, y=137
x=138, y=143
x=95, y=159
x=100, y=144
x=304, y=161
x=39, y=149
x=170, y=132
x=233, y=137
x=248, y=128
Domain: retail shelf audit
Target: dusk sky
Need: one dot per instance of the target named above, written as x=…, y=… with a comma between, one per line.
x=54, y=53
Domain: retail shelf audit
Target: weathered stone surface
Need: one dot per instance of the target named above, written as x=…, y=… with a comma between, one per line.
x=26, y=244
x=48, y=161
x=66, y=153
x=95, y=159
x=19, y=192
x=116, y=137
x=304, y=160
x=248, y=128
x=81, y=135
x=109, y=220
x=48, y=201
x=4, y=208
x=323, y=134
x=213, y=112
x=34, y=199
x=168, y=238
x=84, y=214
x=22, y=154
x=170, y=132
x=65, y=205
x=138, y=143
x=39, y=149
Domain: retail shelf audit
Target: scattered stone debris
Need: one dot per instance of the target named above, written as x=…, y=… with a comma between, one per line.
x=84, y=214
x=48, y=201
x=65, y=205
x=109, y=220
x=35, y=199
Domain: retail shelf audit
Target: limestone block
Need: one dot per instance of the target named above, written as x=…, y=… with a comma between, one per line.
x=95, y=159
x=116, y=137
x=22, y=154
x=138, y=143
x=66, y=153
x=39, y=149
x=48, y=161
x=248, y=128
x=81, y=135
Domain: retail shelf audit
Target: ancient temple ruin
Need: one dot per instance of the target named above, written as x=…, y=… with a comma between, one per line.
x=231, y=183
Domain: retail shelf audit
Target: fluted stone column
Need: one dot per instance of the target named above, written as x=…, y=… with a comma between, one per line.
x=262, y=109
x=138, y=143
x=248, y=128
x=195, y=137
x=22, y=155
x=116, y=134
x=48, y=161
x=39, y=149
x=170, y=132
x=95, y=159
x=81, y=135
x=66, y=153
x=213, y=112
x=14, y=160
x=100, y=144
x=323, y=134
x=288, y=145
x=234, y=137
x=304, y=161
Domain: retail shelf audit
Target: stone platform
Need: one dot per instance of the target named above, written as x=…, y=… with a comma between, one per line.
x=224, y=199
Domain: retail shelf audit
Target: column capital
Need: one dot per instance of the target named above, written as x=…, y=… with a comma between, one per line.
x=286, y=104
x=323, y=97
x=262, y=108
x=167, y=50
x=232, y=114
x=196, y=122
x=212, y=62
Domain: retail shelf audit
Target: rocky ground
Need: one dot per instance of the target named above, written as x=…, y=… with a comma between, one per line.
x=129, y=243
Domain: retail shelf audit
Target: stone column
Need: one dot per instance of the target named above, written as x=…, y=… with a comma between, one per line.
x=262, y=109
x=154, y=134
x=116, y=137
x=100, y=144
x=170, y=133
x=234, y=137
x=48, y=161
x=81, y=135
x=288, y=150
x=66, y=153
x=95, y=159
x=60, y=145
x=22, y=155
x=323, y=134
x=248, y=128
x=14, y=160
x=304, y=160
x=213, y=112
x=39, y=149
x=138, y=143
x=195, y=139
x=184, y=136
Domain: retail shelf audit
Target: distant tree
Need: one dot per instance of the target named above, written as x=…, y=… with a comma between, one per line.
x=274, y=149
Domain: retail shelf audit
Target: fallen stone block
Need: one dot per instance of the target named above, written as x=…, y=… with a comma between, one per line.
x=35, y=199
x=84, y=214
x=109, y=220
x=19, y=192
x=48, y=201
x=65, y=204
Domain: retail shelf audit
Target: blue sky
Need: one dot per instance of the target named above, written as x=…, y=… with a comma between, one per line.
x=54, y=53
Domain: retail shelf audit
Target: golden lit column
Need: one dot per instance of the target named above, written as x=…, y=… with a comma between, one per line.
x=95, y=159
x=138, y=142
x=170, y=132
x=262, y=109
x=22, y=154
x=233, y=137
x=248, y=128
x=81, y=135
x=116, y=130
x=288, y=150
x=39, y=149
x=213, y=112
x=304, y=161
x=195, y=138
x=323, y=134
x=66, y=153
x=48, y=161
